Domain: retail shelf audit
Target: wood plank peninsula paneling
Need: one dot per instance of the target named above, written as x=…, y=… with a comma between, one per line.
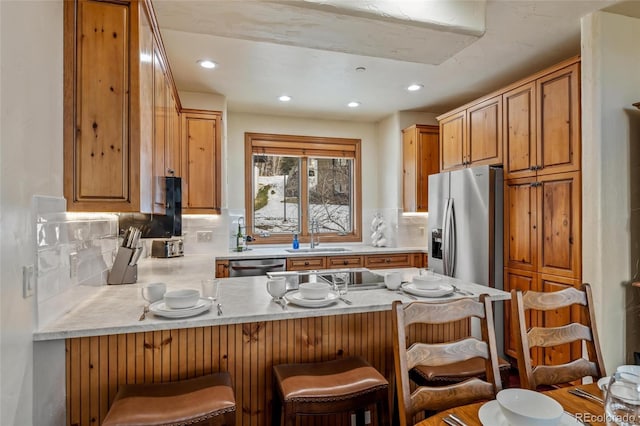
x=97, y=365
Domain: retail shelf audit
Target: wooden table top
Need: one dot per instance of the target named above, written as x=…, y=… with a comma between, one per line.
x=586, y=410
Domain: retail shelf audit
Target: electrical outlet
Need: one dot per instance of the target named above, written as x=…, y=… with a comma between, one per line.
x=73, y=265
x=367, y=417
x=28, y=281
x=421, y=229
x=204, y=236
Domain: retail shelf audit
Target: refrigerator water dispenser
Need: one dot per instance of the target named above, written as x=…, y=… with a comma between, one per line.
x=436, y=243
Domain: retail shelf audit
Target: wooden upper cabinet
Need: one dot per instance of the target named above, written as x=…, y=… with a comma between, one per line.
x=419, y=159
x=484, y=134
x=558, y=121
x=452, y=141
x=473, y=136
x=97, y=98
x=116, y=82
x=559, y=233
x=519, y=131
x=201, y=161
x=542, y=125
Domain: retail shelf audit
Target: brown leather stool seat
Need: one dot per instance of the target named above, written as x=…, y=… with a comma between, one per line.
x=457, y=372
x=207, y=400
x=322, y=388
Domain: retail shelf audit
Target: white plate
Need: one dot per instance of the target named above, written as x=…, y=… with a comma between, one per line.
x=296, y=298
x=603, y=381
x=441, y=290
x=491, y=415
x=161, y=309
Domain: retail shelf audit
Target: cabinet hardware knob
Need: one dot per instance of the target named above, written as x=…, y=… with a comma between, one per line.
x=306, y=263
x=346, y=262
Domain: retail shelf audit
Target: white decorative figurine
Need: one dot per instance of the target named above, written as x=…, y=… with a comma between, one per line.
x=378, y=228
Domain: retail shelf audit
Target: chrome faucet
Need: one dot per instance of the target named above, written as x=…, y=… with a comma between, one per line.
x=315, y=229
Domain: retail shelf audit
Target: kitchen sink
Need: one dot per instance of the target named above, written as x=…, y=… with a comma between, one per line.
x=318, y=250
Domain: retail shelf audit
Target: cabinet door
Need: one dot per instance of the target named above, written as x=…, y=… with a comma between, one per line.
x=452, y=141
x=396, y=260
x=409, y=169
x=558, y=121
x=515, y=279
x=562, y=353
x=172, y=150
x=428, y=163
x=484, y=134
x=520, y=142
x=222, y=269
x=159, y=131
x=559, y=227
x=520, y=223
x=201, y=159
x=420, y=147
x=345, y=262
x=97, y=132
x=305, y=263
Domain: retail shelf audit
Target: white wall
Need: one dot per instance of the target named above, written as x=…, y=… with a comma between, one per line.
x=30, y=163
x=610, y=84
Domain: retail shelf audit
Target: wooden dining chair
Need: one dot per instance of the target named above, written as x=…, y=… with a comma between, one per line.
x=532, y=377
x=427, y=398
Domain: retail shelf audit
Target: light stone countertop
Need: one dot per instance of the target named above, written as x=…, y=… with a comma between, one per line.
x=115, y=309
x=265, y=252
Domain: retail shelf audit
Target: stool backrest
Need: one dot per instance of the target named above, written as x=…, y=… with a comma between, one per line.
x=538, y=336
x=437, y=354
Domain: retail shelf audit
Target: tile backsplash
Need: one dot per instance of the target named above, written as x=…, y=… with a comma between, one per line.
x=74, y=251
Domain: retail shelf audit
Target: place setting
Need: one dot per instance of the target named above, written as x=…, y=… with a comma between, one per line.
x=427, y=284
x=526, y=408
x=181, y=303
x=318, y=294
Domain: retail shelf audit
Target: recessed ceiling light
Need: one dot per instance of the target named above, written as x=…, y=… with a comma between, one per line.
x=205, y=63
x=284, y=98
x=353, y=104
x=414, y=87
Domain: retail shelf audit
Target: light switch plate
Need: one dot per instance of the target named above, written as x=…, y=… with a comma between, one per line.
x=28, y=281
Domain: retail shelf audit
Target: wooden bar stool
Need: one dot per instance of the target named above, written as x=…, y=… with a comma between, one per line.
x=207, y=400
x=323, y=388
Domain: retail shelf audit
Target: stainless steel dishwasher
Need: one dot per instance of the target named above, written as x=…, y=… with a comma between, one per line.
x=254, y=267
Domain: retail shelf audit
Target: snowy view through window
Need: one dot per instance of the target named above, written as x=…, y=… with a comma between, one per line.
x=277, y=193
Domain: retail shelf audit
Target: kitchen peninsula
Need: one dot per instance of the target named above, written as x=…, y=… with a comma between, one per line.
x=106, y=345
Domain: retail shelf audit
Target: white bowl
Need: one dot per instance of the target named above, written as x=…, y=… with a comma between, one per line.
x=524, y=407
x=180, y=299
x=426, y=282
x=314, y=290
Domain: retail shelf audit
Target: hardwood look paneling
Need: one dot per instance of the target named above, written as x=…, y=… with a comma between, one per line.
x=484, y=134
x=520, y=234
x=519, y=132
x=515, y=279
x=559, y=238
x=420, y=158
x=101, y=143
x=97, y=365
x=558, y=121
x=201, y=161
x=452, y=137
x=345, y=261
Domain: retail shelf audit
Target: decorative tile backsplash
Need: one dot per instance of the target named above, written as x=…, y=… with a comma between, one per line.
x=73, y=253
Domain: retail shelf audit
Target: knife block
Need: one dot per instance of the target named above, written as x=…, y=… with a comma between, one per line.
x=122, y=272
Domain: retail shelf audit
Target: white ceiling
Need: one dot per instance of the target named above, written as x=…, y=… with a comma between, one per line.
x=310, y=49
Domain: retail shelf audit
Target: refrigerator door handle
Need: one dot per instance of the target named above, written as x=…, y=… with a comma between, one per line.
x=445, y=238
x=451, y=245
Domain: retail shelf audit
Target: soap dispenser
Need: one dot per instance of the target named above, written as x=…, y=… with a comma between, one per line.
x=296, y=243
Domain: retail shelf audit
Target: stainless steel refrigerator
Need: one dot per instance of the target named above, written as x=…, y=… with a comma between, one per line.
x=465, y=227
